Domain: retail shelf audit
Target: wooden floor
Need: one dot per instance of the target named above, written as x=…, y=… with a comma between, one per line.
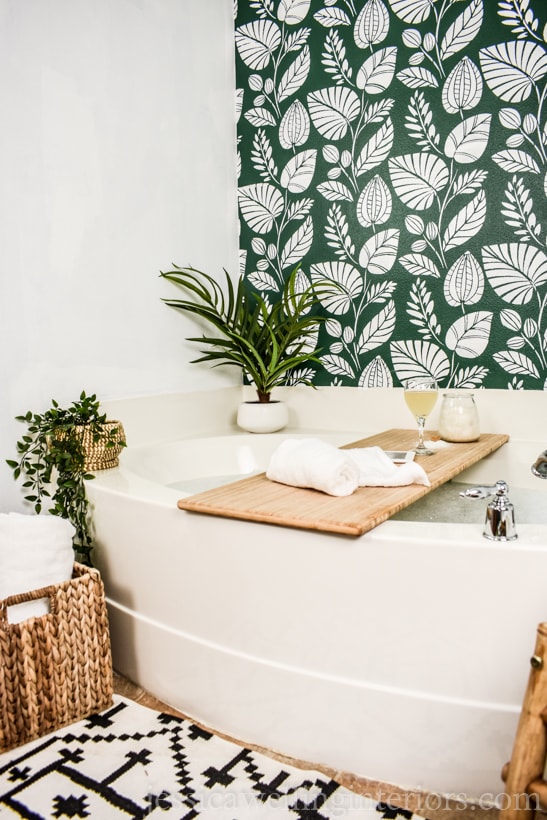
x=431, y=806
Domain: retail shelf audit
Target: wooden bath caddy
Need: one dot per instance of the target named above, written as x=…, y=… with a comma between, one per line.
x=258, y=499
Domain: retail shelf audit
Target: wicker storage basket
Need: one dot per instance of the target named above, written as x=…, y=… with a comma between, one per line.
x=57, y=668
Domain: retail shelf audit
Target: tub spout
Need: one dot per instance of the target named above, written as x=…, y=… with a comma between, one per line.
x=539, y=467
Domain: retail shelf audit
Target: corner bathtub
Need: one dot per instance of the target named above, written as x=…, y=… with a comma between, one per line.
x=400, y=655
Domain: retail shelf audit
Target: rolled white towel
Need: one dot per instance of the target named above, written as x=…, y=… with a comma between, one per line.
x=376, y=469
x=35, y=551
x=312, y=463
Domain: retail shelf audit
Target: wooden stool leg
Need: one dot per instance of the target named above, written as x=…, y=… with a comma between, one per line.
x=530, y=746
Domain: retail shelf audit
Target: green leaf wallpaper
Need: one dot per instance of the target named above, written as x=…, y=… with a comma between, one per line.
x=398, y=149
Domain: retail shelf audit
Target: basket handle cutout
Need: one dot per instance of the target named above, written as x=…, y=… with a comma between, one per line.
x=42, y=594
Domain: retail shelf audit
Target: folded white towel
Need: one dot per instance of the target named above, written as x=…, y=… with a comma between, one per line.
x=376, y=469
x=35, y=551
x=310, y=462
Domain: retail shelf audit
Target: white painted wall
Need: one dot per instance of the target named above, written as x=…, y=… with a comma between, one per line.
x=117, y=158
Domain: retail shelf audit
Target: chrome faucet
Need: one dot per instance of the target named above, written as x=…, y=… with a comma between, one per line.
x=539, y=467
x=499, y=524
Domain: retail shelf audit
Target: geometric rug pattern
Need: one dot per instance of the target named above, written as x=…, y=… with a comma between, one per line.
x=130, y=763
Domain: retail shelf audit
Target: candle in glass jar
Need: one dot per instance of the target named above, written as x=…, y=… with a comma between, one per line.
x=459, y=420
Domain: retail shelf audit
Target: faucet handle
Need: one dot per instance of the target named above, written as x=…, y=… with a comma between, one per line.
x=482, y=491
x=499, y=524
x=539, y=467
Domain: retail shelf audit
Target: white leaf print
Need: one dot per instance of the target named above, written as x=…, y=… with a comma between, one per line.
x=298, y=244
x=517, y=363
x=336, y=365
x=417, y=178
x=292, y=12
x=468, y=140
x=469, y=376
x=294, y=128
x=511, y=319
x=333, y=328
x=514, y=140
x=414, y=224
x=419, y=265
x=464, y=28
x=239, y=102
x=372, y=24
x=300, y=209
x=376, y=374
x=332, y=110
x=295, y=75
x=419, y=358
x=296, y=39
x=260, y=204
x=376, y=150
x=298, y=172
x=417, y=77
x=261, y=281
x=379, y=329
x=469, y=335
x=469, y=182
x=335, y=191
x=381, y=291
x=512, y=69
x=256, y=42
x=334, y=58
x=331, y=154
x=258, y=245
x=411, y=11
x=332, y=17
x=462, y=88
x=374, y=203
x=348, y=281
x=379, y=252
x=411, y=38
x=464, y=282
x=377, y=71
x=518, y=16
x=510, y=118
x=515, y=161
x=515, y=270
x=419, y=122
x=259, y=116
x=378, y=111
x=466, y=223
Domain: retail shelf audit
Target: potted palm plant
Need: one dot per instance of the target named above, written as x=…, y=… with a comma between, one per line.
x=56, y=456
x=272, y=344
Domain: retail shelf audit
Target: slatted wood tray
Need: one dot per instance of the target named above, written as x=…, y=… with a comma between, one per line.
x=258, y=499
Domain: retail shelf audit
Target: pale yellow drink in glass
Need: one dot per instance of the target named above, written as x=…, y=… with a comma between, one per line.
x=421, y=402
x=420, y=395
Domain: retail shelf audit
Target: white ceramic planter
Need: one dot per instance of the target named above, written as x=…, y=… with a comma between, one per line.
x=262, y=417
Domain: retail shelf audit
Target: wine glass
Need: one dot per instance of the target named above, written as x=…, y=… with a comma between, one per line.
x=420, y=396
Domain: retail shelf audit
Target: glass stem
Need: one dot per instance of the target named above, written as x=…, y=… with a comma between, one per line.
x=421, y=427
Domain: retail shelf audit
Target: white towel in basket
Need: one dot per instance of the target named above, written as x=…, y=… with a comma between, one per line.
x=35, y=551
x=310, y=462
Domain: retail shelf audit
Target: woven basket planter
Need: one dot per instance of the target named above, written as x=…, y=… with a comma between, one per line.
x=57, y=668
x=97, y=455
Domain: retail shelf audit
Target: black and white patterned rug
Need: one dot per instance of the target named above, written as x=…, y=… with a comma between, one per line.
x=130, y=762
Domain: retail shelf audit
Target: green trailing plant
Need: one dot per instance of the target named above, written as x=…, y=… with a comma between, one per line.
x=267, y=342
x=52, y=462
